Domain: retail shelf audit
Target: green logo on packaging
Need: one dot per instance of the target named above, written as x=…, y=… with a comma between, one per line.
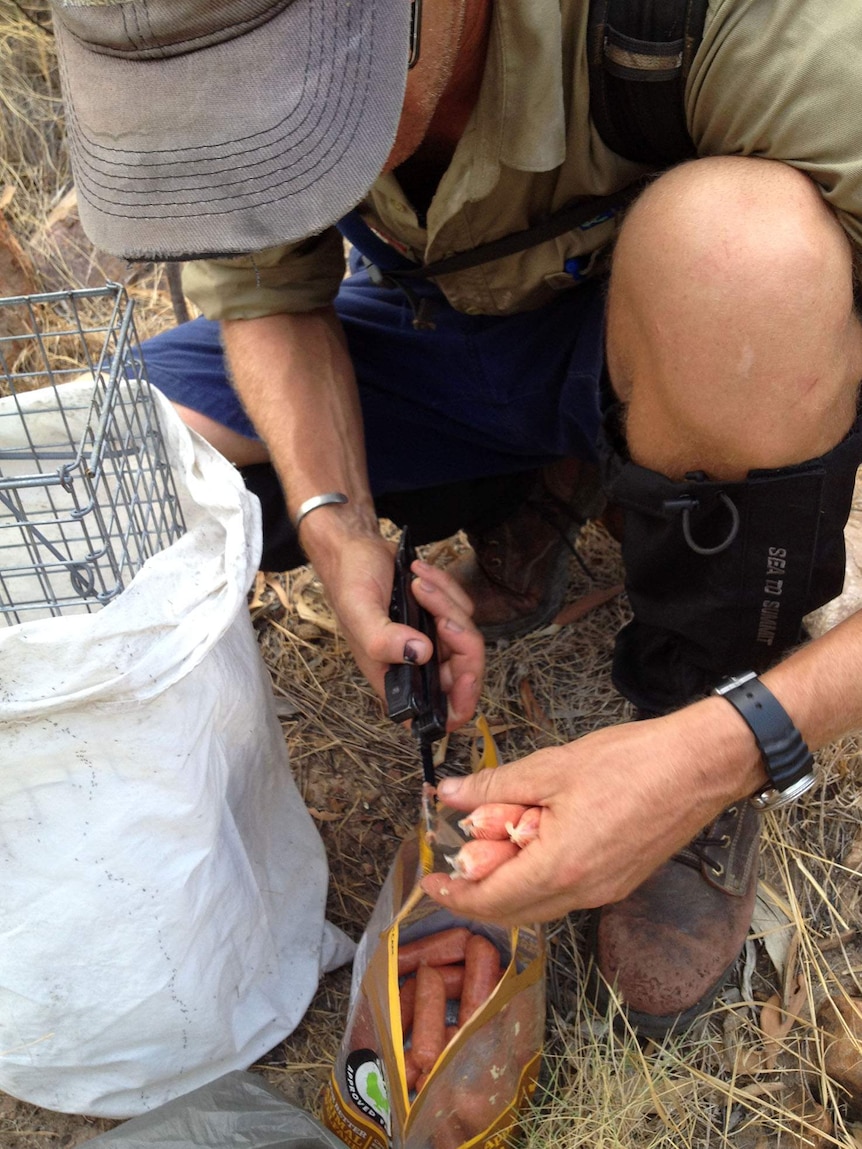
x=366, y=1085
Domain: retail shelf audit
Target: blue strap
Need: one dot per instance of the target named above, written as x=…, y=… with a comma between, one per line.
x=376, y=250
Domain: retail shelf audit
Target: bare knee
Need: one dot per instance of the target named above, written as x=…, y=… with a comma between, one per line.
x=238, y=449
x=732, y=335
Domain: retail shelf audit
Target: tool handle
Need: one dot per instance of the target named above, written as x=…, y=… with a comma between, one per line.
x=412, y=691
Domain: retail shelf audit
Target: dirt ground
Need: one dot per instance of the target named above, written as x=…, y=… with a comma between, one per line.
x=756, y=1073
x=360, y=777
x=736, y=1081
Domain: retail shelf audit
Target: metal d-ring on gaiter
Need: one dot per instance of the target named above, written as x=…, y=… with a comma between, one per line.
x=688, y=504
x=720, y=575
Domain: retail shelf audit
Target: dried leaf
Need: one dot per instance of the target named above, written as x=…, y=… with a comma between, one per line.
x=749, y=964
x=836, y=941
x=440, y=751
x=777, y=1019
x=772, y=924
x=532, y=709
x=303, y=578
x=791, y=976
x=273, y=581
x=572, y=611
x=257, y=594
x=737, y=1055
x=839, y=1018
x=760, y=1088
x=323, y=815
x=772, y=1019
x=853, y=858
x=321, y=616
x=775, y=1027
x=810, y=1124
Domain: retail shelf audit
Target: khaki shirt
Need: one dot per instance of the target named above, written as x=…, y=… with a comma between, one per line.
x=771, y=79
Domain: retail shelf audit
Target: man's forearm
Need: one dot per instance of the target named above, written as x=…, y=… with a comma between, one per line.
x=294, y=376
x=820, y=685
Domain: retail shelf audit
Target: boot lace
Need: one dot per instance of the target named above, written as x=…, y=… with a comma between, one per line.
x=696, y=853
x=552, y=514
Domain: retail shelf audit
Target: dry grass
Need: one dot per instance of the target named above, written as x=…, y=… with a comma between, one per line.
x=752, y=1074
x=32, y=157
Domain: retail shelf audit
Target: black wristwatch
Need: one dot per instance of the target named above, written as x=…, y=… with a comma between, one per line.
x=788, y=761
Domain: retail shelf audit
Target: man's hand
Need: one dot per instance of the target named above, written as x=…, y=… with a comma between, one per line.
x=296, y=380
x=359, y=587
x=614, y=806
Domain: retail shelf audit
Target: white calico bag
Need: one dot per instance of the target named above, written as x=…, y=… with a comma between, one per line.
x=162, y=884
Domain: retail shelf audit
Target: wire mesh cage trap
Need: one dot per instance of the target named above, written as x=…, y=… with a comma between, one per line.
x=86, y=489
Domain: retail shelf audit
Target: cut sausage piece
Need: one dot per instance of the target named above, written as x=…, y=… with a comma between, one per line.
x=479, y=858
x=526, y=829
x=490, y=820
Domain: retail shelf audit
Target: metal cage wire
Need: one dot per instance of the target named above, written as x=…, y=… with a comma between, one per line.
x=86, y=490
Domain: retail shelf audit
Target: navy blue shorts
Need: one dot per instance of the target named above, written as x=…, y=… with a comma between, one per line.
x=476, y=396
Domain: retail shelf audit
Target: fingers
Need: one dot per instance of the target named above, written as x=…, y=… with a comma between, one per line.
x=439, y=578
x=461, y=646
x=518, y=892
x=450, y=607
x=534, y=781
x=360, y=589
x=386, y=641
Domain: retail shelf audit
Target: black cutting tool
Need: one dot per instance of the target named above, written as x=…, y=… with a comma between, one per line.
x=413, y=692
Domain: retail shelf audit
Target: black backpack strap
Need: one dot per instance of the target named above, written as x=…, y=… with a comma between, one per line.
x=640, y=52
x=582, y=213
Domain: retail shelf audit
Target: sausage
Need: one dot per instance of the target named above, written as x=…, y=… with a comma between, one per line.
x=407, y=999
x=453, y=979
x=411, y=1070
x=490, y=820
x=477, y=859
x=482, y=972
x=449, y=1133
x=526, y=829
x=429, y=1019
x=442, y=948
x=474, y=1109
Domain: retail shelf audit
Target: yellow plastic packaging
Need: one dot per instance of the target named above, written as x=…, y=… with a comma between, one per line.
x=489, y=1068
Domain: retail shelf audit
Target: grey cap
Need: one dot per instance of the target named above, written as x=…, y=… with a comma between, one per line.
x=204, y=127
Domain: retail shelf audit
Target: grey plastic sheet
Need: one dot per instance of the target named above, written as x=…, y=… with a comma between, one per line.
x=237, y=1111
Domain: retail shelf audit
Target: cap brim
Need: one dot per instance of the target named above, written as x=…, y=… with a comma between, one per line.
x=265, y=139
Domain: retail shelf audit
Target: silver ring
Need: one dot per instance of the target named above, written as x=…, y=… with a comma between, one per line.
x=317, y=501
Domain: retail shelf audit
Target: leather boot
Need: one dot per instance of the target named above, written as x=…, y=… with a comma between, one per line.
x=517, y=571
x=668, y=948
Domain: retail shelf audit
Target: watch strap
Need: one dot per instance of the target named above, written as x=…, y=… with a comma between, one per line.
x=788, y=761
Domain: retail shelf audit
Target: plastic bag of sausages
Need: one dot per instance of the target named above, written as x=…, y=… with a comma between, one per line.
x=446, y=1022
